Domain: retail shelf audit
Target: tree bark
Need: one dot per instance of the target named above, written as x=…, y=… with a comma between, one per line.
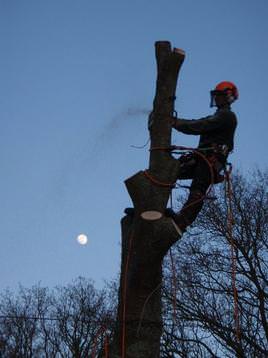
x=145, y=243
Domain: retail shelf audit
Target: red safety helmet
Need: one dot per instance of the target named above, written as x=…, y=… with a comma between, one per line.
x=226, y=88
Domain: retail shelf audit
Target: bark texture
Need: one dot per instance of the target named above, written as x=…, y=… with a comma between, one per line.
x=145, y=243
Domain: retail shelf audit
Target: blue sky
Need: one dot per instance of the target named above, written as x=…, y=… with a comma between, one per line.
x=76, y=81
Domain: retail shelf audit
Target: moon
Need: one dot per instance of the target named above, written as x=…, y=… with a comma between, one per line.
x=82, y=239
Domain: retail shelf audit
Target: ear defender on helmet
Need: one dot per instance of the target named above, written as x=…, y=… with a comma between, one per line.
x=227, y=89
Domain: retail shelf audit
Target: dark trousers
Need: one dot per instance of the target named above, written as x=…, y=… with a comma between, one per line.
x=197, y=169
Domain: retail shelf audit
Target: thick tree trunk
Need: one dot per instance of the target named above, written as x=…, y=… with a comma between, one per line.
x=145, y=243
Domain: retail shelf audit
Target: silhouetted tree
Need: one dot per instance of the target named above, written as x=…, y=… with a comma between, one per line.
x=83, y=319
x=20, y=330
x=70, y=321
x=197, y=293
x=204, y=302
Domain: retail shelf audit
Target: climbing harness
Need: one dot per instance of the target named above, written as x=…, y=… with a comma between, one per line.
x=182, y=149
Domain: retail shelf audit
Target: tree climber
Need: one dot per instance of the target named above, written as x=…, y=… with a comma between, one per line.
x=216, y=142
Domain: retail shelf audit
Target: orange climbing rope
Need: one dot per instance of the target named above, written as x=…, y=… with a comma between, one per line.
x=158, y=182
x=106, y=346
x=174, y=284
x=173, y=185
x=102, y=330
x=124, y=296
x=230, y=223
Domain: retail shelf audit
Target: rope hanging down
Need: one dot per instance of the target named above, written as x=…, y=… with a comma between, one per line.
x=100, y=332
x=230, y=238
x=124, y=296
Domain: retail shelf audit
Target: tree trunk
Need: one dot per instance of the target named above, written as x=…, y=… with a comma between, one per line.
x=145, y=242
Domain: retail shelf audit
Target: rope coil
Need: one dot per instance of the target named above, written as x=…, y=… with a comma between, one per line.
x=198, y=152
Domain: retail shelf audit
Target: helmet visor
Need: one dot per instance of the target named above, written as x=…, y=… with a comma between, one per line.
x=213, y=94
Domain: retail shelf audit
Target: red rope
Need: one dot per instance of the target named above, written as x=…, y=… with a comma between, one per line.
x=174, y=284
x=106, y=346
x=102, y=330
x=197, y=152
x=230, y=222
x=157, y=182
x=124, y=294
x=144, y=305
x=124, y=289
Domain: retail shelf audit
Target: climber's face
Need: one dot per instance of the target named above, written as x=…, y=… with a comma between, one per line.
x=220, y=100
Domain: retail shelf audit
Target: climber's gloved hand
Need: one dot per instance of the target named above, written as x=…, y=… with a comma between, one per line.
x=172, y=120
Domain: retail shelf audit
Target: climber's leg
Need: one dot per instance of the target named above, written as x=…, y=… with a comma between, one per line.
x=194, y=203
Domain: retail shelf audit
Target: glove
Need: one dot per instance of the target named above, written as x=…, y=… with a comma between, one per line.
x=172, y=120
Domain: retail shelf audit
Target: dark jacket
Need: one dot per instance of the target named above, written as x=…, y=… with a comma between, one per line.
x=218, y=128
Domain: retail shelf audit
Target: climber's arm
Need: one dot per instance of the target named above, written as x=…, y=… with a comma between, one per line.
x=198, y=126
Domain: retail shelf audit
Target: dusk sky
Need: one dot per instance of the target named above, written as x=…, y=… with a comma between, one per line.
x=77, y=81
